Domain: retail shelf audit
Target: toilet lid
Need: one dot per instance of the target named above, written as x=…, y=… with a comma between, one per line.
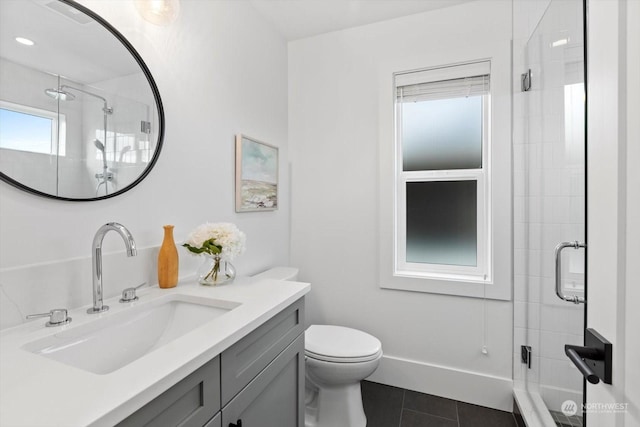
x=328, y=342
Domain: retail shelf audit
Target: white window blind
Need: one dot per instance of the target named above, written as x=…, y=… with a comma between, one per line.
x=446, y=82
x=458, y=88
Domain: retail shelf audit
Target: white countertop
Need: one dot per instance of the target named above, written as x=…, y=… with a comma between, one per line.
x=37, y=391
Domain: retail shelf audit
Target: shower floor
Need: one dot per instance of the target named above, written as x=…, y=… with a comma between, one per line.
x=564, y=421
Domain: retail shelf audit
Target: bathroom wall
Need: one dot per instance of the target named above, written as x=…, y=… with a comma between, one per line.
x=432, y=343
x=632, y=293
x=221, y=70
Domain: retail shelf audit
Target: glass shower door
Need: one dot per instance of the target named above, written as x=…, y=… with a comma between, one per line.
x=554, y=184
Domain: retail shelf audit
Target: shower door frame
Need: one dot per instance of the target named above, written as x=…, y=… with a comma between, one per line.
x=537, y=400
x=585, y=33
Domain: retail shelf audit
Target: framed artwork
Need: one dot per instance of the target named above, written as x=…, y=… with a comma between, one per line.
x=256, y=175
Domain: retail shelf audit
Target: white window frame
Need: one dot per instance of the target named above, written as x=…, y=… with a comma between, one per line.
x=480, y=273
x=500, y=209
x=58, y=126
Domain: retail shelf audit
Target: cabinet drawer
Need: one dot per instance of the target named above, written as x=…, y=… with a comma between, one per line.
x=191, y=402
x=245, y=359
x=275, y=398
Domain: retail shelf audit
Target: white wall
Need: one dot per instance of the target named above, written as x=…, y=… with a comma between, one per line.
x=432, y=343
x=221, y=70
x=632, y=297
x=614, y=201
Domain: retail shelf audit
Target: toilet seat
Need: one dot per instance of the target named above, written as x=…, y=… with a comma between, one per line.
x=340, y=344
x=342, y=359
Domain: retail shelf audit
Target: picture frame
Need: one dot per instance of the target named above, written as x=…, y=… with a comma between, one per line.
x=256, y=175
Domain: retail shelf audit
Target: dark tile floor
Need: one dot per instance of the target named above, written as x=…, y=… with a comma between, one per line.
x=387, y=406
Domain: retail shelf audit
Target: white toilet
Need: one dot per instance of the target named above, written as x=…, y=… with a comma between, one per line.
x=336, y=360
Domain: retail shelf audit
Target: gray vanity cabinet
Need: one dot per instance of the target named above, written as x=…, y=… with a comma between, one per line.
x=258, y=380
x=190, y=403
x=263, y=374
x=215, y=421
x=244, y=360
x=274, y=397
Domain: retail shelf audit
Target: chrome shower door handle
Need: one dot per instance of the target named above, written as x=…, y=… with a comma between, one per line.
x=558, y=254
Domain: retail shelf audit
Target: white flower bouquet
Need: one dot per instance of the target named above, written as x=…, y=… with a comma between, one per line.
x=221, y=241
x=222, y=238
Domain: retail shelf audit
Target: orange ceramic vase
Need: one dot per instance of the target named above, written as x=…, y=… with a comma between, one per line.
x=168, y=260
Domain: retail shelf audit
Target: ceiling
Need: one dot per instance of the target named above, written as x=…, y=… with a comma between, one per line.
x=62, y=39
x=296, y=19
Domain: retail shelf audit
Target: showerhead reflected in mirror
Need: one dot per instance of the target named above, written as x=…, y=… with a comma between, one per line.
x=59, y=94
x=99, y=145
x=80, y=115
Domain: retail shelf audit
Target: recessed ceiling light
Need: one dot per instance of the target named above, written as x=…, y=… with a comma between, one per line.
x=24, y=41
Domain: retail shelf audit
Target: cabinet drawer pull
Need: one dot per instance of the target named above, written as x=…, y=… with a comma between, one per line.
x=237, y=424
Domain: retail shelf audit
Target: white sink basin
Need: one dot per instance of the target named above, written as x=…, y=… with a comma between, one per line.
x=113, y=341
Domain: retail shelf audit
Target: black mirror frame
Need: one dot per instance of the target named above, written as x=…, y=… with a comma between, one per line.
x=158, y=101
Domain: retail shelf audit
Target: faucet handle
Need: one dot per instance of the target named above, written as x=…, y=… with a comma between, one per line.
x=129, y=294
x=57, y=317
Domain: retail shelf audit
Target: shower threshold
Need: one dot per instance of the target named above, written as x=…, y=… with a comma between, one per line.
x=532, y=408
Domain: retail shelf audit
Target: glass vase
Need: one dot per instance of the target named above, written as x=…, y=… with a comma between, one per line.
x=215, y=271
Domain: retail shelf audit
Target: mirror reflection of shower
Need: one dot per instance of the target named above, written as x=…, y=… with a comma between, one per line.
x=62, y=94
x=106, y=176
x=124, y=151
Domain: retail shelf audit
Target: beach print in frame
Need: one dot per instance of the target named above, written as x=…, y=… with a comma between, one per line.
x=256, y=175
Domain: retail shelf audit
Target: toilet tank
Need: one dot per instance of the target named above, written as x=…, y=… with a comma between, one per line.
x=279, y=273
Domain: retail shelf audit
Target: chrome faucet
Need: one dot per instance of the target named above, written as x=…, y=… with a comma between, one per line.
x=96, y=260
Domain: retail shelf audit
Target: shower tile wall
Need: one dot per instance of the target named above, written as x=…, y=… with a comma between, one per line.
x=549, y=200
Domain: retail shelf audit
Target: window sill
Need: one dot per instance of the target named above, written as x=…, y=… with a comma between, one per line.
x=472, y=287
x=448, y=277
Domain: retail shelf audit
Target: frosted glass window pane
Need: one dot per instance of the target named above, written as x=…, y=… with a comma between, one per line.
x=442, y=222
x=442, y=134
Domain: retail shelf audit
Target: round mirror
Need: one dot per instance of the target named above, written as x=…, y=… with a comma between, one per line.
x=80, y=115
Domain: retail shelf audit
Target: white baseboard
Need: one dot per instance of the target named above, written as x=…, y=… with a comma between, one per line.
x=466, y=386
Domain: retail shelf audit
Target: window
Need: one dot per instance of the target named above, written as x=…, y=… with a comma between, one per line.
x=442, y=193
x=24, y=128
x=446, y=215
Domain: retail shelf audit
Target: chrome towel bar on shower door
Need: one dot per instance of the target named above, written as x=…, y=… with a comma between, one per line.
x=558, y=253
